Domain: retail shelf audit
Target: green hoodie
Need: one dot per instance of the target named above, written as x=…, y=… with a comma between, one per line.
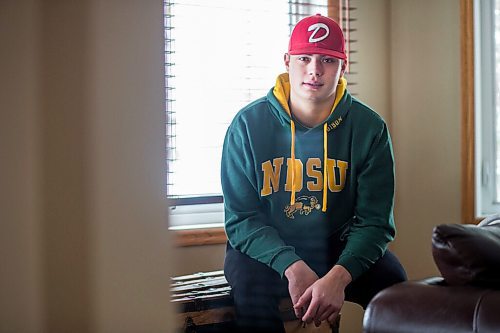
x=279, y=214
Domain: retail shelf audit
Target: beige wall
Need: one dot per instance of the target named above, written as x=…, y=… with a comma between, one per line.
x=21, y=291
x=84, y=242
x=425, y=124
x=372, y=57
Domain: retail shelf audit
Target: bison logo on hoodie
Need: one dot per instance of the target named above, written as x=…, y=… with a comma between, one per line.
x=304, y=205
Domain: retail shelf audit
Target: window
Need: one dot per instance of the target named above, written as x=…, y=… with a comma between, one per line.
x=219, y=56
x=487, y=106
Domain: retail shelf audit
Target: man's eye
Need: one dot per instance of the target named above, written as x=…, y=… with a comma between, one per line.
x=303, y=58
x=329, y=60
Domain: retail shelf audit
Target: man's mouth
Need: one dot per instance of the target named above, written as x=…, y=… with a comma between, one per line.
x=313, y=84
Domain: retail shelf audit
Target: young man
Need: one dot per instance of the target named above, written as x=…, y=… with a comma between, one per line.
x=308, y=183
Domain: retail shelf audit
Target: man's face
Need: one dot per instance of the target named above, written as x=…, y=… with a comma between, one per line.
x=313, y=77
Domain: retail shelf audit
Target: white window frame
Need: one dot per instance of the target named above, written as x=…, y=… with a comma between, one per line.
x=485, y=108
x=196, y=216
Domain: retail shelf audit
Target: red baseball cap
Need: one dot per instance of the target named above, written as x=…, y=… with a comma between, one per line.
x=317, y=34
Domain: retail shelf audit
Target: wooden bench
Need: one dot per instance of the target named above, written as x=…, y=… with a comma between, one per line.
x=204, y=304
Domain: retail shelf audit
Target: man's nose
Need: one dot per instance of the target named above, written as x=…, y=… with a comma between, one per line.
x=315, y=67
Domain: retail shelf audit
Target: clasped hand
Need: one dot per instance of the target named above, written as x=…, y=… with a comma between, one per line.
x=317, y=299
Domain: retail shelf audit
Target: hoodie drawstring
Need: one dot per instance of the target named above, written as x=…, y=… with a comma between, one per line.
x=292, y=154
x=325, y=167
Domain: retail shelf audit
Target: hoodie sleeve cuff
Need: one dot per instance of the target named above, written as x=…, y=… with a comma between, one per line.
x=352, y=265
x=283, y=260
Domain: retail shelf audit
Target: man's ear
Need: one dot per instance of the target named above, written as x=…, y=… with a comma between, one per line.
x=286, y=59
x=344, y=66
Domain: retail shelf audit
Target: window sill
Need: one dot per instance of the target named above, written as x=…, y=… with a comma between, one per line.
x=201, y=236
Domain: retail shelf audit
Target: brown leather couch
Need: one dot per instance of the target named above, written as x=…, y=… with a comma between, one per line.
x=465, y=299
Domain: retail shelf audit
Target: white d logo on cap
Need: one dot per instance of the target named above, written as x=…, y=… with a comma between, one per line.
x=316, y=27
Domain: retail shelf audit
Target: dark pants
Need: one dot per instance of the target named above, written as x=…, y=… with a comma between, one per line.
x=257, y=289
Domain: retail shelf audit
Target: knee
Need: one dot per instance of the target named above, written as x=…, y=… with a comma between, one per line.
x=249, y=285
x=386, y=272
x=249, y=278
x=388, y=269
x=396, y=272
x=243, y=285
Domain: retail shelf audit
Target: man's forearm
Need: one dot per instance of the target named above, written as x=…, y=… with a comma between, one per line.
x=295, y=269
x=340, y=274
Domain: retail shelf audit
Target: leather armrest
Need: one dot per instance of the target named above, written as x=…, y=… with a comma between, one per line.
x=468, y=254
x=416, y=307
x=434, y=281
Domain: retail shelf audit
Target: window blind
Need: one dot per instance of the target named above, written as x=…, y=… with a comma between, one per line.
x=219, y=56
x=344, y=12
